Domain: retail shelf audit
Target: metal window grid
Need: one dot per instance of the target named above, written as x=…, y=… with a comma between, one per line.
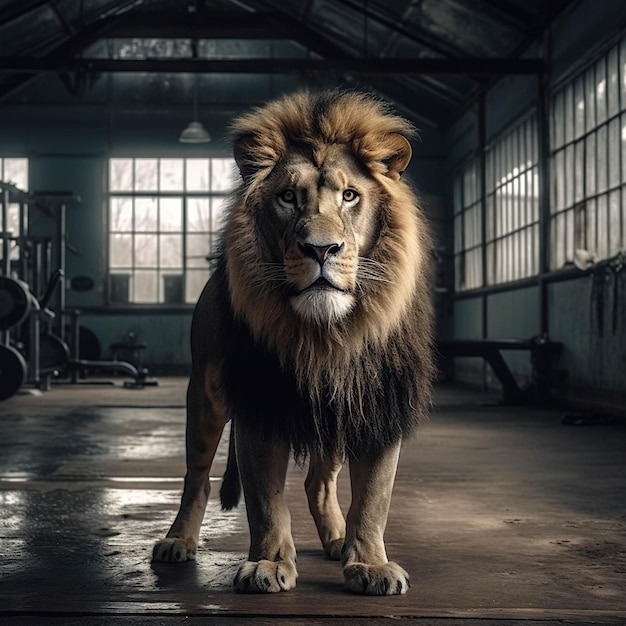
x=588, y=153
x=147, y=280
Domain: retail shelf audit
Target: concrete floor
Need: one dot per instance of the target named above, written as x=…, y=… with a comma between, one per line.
x=500, y=515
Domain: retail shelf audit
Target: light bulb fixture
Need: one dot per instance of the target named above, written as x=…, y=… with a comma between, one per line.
x=195, y=132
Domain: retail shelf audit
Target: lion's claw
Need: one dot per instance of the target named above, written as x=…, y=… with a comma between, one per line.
x=174, y=550
x=376, y=580
x=265, y=577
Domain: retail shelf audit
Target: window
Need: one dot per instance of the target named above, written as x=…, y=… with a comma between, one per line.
x=13, y=171
x=468, y=264
x=588, y=138
x=512, y=220
x=164, y=215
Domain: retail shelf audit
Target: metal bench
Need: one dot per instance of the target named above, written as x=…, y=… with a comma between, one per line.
x=543, y=357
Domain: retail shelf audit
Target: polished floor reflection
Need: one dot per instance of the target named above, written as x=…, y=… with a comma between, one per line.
x=498, y=514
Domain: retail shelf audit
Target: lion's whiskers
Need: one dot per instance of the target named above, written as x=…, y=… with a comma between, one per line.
x=369, y=269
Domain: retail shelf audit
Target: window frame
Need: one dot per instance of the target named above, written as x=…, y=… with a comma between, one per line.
x=189, y=265
x=583, y=148
x=507, y=230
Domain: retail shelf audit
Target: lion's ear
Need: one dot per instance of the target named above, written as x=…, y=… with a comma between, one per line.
x=244, y=149
x=399, y=153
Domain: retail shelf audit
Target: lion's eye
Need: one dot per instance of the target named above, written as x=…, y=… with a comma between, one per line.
x=287, y=196
x=350, y=197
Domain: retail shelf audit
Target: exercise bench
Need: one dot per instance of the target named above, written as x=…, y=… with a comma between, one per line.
x=544, y=355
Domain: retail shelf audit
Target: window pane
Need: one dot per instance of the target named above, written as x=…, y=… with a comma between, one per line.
x=458, y=233
x=590, y=165
x=16, y=172
x=171, y=214
x=559, y=256
x=569, y=236
x=590, y=99
x=146, y=214
x=579, y=171
x=171, y=175
x=197, y=174
x=622, y=61
x=121, y=174
x=196, y=279
x=146, y=174
x=218, y=209
x=13, y=224
x=559, y=175
x=601, y=166
x=145, y=285
x=121, y=215
x=198, y=215
x=623, y=136
x=145, y=251
x=600, y=91
x=569, y=112
x=615, y=226
x=579, y=104
x=592, y=242
x=171, y=251
x=569, y=176
x=557, y=120
x=602, y=227
x=614, y=153
x=197, y=250
x=121, y=250
x=613, y=87
x=222, y=178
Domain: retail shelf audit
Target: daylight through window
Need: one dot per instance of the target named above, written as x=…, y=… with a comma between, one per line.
x=164, y=217
x=13, y=170
x=588, y=207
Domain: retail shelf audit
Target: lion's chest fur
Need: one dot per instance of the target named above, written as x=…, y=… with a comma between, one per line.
x=356, y=406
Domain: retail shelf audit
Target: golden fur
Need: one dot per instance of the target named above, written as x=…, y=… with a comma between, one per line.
x=376, y=137
x=313, y=335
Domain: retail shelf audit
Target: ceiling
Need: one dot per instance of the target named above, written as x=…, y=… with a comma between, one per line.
x=431, y=57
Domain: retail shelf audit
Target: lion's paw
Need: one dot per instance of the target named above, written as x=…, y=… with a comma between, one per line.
x=376, y=580
x=333, y=549
x=265, y=577
x=174, y=550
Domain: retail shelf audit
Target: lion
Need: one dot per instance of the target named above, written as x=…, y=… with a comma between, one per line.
x=313, y=336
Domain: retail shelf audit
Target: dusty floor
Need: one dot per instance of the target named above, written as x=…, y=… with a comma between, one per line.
x=500, y=515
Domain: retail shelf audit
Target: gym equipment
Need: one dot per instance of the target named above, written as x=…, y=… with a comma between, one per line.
x=12, y=371
x=15, y=302
x=27, y=326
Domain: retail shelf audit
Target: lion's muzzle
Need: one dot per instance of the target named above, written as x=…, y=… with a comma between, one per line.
x=320, y=253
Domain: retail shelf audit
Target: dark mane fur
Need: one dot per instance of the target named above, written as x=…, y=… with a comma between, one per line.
x=392, y=383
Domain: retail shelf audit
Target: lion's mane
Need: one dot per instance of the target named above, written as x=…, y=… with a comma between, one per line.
x=357, y=384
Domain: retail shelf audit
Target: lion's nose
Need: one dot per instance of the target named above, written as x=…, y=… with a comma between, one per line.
x=320, y=253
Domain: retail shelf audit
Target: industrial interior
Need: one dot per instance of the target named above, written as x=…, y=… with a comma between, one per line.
x=115, y=167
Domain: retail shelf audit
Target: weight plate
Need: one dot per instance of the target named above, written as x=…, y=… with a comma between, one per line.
x=15, y=302
x=53, y=352
x=12, y=371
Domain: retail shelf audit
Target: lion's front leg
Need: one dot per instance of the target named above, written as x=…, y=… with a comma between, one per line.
x=366, y=569
x=321, y=491
x=271, y=564
x=206, y=418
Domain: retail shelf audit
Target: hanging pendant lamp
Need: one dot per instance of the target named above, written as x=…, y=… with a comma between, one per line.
x=195, y=132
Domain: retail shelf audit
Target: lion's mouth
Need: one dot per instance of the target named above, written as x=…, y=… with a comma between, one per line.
x=323, y=284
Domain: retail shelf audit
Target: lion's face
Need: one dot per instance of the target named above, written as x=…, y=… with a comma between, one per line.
x=320, y=224
x=323, y=231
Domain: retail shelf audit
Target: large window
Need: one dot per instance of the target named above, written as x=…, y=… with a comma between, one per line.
x=14, y=171
x=512, y=220
x=164, y=215
x=588, y=123
x=468, y=262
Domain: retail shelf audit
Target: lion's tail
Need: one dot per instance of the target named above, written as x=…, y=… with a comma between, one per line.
x=230, y=491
